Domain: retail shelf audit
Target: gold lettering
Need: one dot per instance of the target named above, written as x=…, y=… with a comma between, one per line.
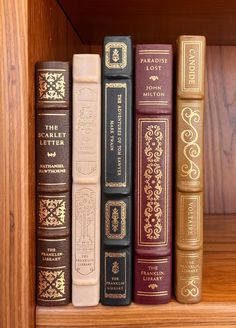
x=149, y=60
x=192, y=66
x=190, y=218
x=153, y=94
x=111, y=144
x=51, y=127
x=153, y=87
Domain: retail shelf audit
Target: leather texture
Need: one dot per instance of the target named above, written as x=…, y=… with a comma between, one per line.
x=117, y=131
x=153, y=82
x=117, y=162
x=188, y=285
x=116, y=274
x=116, y=225
x=86, y=168
x=189, y=168
x=152, y=279
x=53, y=182
x=117, y=57
x=153, y=174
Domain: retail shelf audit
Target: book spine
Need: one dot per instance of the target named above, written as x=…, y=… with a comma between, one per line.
x=116, y=261
x=86, y=171
x=189, y=169
x=153, y=174
x=53, y=182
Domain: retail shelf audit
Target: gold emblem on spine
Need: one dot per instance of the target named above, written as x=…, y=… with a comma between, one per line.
x=51, y=86
x=51, y=154
x=154, y=78
x=122, y=256
x=116, y=85
x=191, y=149
x=190, y=288
x=115, y=267
x=51, y=284
x=153, y=180
x=116, y=219
x=153, y=286
x=52, y=212
x=116, y=55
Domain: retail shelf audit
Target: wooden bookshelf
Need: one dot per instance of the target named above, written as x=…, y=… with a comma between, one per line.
x=32, y=30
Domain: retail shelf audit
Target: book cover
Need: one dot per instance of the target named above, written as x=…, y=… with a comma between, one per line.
x=116, y=264
x=153, y=174
x=189, y=168
x=53, y=183
x=86, y=173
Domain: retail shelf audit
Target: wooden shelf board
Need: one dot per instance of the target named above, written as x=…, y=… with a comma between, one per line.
x=173, y=314
x=217, y=308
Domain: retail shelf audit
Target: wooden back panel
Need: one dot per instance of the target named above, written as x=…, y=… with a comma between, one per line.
x=152, y=21
x=220, y=130
x=38, y=30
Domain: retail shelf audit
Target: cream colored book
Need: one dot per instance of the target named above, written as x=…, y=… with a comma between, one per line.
x=86, y=170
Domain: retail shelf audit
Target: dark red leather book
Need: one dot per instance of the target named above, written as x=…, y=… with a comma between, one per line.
x=153, y=175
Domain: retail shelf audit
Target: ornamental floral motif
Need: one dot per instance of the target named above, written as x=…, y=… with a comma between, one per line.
x=51, y=86
x=52, y=212
x=154, y=78
x=191, y=149
x=115, y=55
x=115, y=267
x=115, y=219
x=153, y=286
x=153, y=181
x=85, y=227
x=51, y=284
x=190, y=288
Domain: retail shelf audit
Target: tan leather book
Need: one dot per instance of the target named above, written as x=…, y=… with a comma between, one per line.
x=189, y=168
x=86, y=163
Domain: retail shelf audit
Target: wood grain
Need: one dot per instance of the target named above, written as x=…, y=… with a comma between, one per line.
x=29, y=31
x=153, y=21
x=169, y=315
x=220, y=130
x=217, y=308
x=219, y=233
x=17, y=258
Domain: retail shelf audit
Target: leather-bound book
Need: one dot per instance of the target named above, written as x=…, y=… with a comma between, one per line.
x=86, y=194
x=116, y=265
x=153, y=174
x=53, y=116
x=189, y=168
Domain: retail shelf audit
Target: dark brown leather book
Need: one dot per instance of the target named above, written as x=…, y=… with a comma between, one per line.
x=189, y=169
x=53, y=125
x=153, y=175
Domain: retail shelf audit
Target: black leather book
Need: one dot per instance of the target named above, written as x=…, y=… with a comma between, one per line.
x=116, y=261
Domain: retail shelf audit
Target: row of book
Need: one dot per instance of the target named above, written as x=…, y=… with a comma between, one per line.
x=111, y=175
